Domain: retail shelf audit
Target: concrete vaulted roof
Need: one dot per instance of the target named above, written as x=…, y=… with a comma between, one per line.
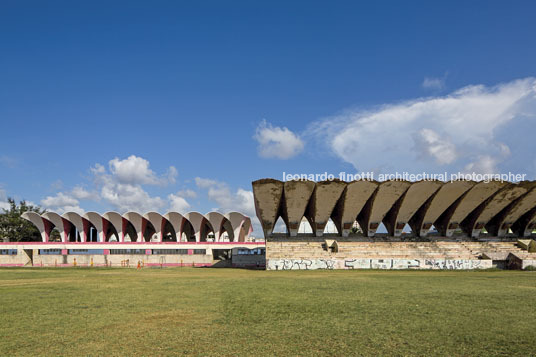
x=296, y=196
x=474, y=222
x=237, y=225
x=500, y=224
x=466, y=204
x=416, y=195
x=388, y=193
x=80, y=223
x=423, y=219
x=61, y=224
x=38, y=222
x=353, y=199
x=451, y=206
x=325, y=196
x=267, y=195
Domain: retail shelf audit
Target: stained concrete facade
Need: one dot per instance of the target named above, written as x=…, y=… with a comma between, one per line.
x=450, y=207
x=459, y=211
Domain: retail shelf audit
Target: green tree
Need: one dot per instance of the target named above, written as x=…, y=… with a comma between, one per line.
x=13, y=227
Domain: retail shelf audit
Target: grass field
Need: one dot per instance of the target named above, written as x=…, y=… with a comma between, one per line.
x=188, y=311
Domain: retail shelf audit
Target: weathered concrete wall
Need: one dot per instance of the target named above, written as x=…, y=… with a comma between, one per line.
x=499, y=225
x=352, y=201
x=474, y=222
x=447, y=206
x=417, y=194
x=325, y=196
x=296, y=196
x=450, y=221
x=365, y=263
x=380, y=203
x=267, y=195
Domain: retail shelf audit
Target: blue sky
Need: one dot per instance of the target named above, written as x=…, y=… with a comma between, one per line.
x=166, y=104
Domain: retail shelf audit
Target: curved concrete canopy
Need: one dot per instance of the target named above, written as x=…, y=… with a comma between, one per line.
x=43, y=227
x=353, y=199
x=61, y=224
x=524, y=226
x=476, y=196
x=118, y=222
x=177, y=222
x=501, y=223
x=325, y=196
x=81, y=224
x=296, y=196
x=198, y=222
x=427, y=215
x=220, y=224
x=416, y=195
x=379, y=204
x=98, y=222
x=157, y=220
x=473, y=224
x=267, y=194
x=136, y=220
x=241, y=225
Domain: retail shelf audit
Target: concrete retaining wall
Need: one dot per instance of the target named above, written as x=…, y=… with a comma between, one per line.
x=365, y=263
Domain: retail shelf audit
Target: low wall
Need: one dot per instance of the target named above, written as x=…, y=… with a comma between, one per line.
x=122, y=260
x=364, y=263
x=249, y=261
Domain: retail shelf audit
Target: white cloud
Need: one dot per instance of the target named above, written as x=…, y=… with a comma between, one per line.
x=467, y=126
x=483, y=165
x=433, y=145
x=227, y=201
x=187, y=194
x=61, y=203
x=205, y=183
x=135, y=170
x=276, y=142
x=82, y=194
x=121, y=186
x=433, y=83
x=178, y=203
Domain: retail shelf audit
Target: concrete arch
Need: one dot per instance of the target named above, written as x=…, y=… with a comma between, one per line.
x=416, y=195
x=241, y=226
x=296, y=196
x=220, y=224
x=353, y=199
x=177, y=220
x=267, y=194
x=81, y=224
x=325, y=196
x=99, y=222
x=61, y=224
x=43, y=226
x=157, y=220
x=246, y=230
x=200, y=225
x=450, y=220
x=524, y=226
x=379, y=204
x=473, y=224
x=427, y=215
x=500, y=224
x=118, y=223
x=137, y=222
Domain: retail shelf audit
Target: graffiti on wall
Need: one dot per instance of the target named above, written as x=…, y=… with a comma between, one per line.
x=365, y=263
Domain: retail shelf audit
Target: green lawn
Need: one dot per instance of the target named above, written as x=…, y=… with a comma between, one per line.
x=186, y=311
